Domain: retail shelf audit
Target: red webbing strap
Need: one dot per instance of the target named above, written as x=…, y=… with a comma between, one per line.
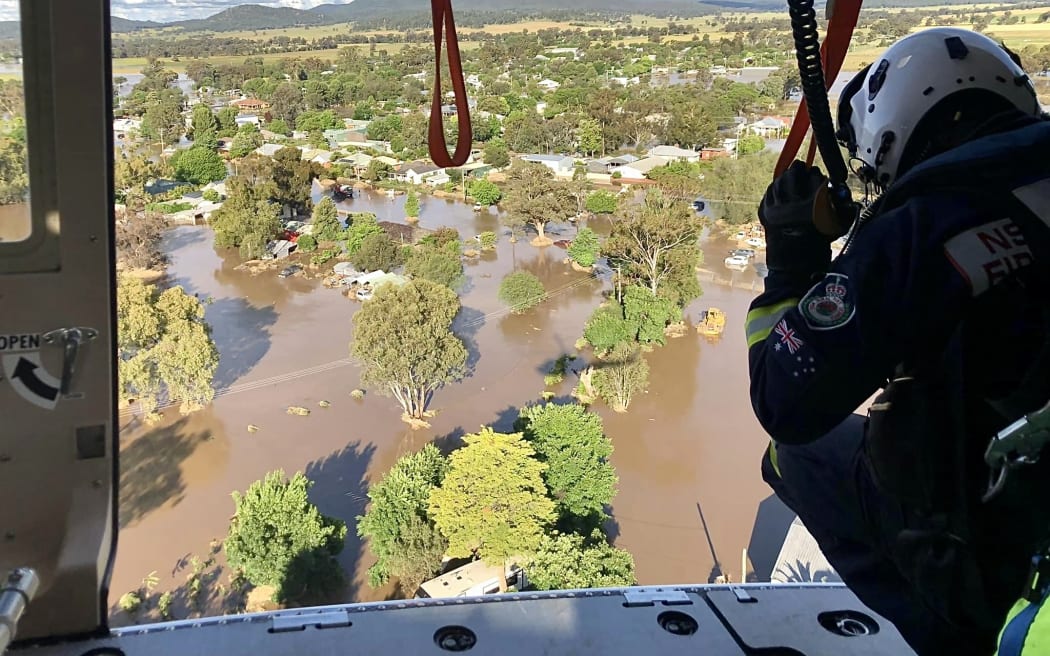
x=832, y=55
x=443, y=20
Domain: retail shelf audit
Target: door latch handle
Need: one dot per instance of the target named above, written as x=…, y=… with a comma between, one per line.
x=71, y=340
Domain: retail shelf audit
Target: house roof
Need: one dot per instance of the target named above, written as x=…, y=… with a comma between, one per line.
x=671, y=151
x=770, y=122
x=643, y=166
x=249, y=102
x=268, y=149
x=545, y=158
x=419, y=168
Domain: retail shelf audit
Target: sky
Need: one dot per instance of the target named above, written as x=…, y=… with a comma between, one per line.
x=164, y=11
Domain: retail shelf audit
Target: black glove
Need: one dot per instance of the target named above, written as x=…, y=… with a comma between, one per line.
x=793, y=244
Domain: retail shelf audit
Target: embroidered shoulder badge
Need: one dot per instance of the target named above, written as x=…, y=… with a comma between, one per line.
x=828, y=305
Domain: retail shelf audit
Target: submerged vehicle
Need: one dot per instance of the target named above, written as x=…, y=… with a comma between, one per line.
x=737, y=261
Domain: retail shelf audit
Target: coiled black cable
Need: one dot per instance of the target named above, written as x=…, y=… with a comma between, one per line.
x=804, y=31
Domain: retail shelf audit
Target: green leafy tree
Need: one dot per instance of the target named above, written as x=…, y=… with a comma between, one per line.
x=573, y=443
x=318, y=121
x=245, y=221
x=204, y=127
x=163, y=119
x=521, y=291
x=211, y=195
x=398, y=529
x=247, y=140
x=412, y=204
x=278, y=537
x=484, y=192
x=227, y=118
x=677, y=178
x=607, y=328
x=488, y=240
x=496, y=153
x=279, y=126
x=384, y=129
x=377, y=171
x=292, y=177
x=327, y=226
x=360, y=226
x=378, y=252
x=584, y=248
x=164, y=345
x=286, y=102
x=652, y=246
x=648, y=314
x=493, y=502
x=14, y=177
x=534, y=198
x=440, y=264
x=750, y=144
x=622, y=374
x=601, y=202
x=590, y=137
x=307, y=243
x=404, y=340
x=735, y=186
x=198, y=165
x=573, y=562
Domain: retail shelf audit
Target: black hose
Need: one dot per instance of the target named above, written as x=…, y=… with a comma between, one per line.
x=811, y=72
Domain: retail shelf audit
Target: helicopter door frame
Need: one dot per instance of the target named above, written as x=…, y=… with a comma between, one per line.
x=58, y=445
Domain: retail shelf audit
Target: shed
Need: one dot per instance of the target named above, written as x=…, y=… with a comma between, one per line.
x=471, y=580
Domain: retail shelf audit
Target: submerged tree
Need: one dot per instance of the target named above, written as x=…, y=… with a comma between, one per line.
x=400, y=533
x=440, y=264
x=535, y=198
x=245, y=221
x=521, y=291
x=493, y=502
x=164, y=345
x=412, y=205
x=652, y=245
x=404, y=340
x=327, y=226
x=584, y=248
x=622, y=374
x=279, y=538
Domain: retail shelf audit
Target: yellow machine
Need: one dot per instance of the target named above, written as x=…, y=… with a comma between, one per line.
x=712, y=323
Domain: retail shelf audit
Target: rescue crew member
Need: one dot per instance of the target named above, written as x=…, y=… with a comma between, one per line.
x=946, y=130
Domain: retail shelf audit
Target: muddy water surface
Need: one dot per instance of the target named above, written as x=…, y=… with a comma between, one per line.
x=690, y=440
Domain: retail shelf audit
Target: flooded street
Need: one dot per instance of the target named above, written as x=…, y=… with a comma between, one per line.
x=690, y=440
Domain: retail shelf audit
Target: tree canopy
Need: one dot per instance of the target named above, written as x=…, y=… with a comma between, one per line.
x=404, y=340
x=573, y=444
x=327, y=226
x=521, y=291
x=493, y=502
x=198, y=165
x=247, y=139
x=245, y=221
x=735, y=186
x=279, y=538
x=399, y=530
x=292, y=177
x=622, y=374
x=204, y=127
x=585, y=247
x=164, y=345
x=484, y=192
x=601, y=202
x=360, y=225
x=534, y=198
x=573, y=562
x=412, y=204
x=378, y=252
x=654, y=245
x=440, y=264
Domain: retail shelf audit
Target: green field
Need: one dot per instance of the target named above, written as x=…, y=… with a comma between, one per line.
x=1016, y=36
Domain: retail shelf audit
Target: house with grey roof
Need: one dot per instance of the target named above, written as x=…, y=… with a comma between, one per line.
x=559, y=164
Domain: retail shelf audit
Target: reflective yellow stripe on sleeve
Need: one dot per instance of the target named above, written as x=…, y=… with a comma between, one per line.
x=773, y=458
x=761, y=320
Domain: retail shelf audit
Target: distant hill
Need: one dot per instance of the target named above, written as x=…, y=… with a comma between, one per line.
x=118, y=24
x=259, y=17
x=251, y=17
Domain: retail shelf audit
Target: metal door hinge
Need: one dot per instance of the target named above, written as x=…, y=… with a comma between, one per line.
x=71, y=339
x=635, y=598
x=328, y=619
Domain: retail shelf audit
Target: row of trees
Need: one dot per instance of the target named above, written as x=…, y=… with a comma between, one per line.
x=537, y=496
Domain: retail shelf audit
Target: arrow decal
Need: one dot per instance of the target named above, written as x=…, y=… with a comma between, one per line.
x=30, y=379
x=26, y=372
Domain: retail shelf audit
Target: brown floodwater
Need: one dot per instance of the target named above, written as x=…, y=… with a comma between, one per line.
x=689, y=444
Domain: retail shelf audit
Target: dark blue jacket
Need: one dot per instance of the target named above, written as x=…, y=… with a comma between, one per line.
x=947, y=239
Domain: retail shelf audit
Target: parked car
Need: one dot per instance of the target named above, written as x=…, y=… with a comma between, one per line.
x=743, y=252
x=364, y=293
x=288, y=272
x=756, y=242
x=736, y=262
x=740, y=236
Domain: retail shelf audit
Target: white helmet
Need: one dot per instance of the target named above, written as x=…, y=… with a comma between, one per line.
x=946, y=69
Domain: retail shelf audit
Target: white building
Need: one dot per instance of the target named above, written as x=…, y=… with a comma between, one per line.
x=548, y=85
x=674, y=152
x=638, y=170
x=559, y=164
